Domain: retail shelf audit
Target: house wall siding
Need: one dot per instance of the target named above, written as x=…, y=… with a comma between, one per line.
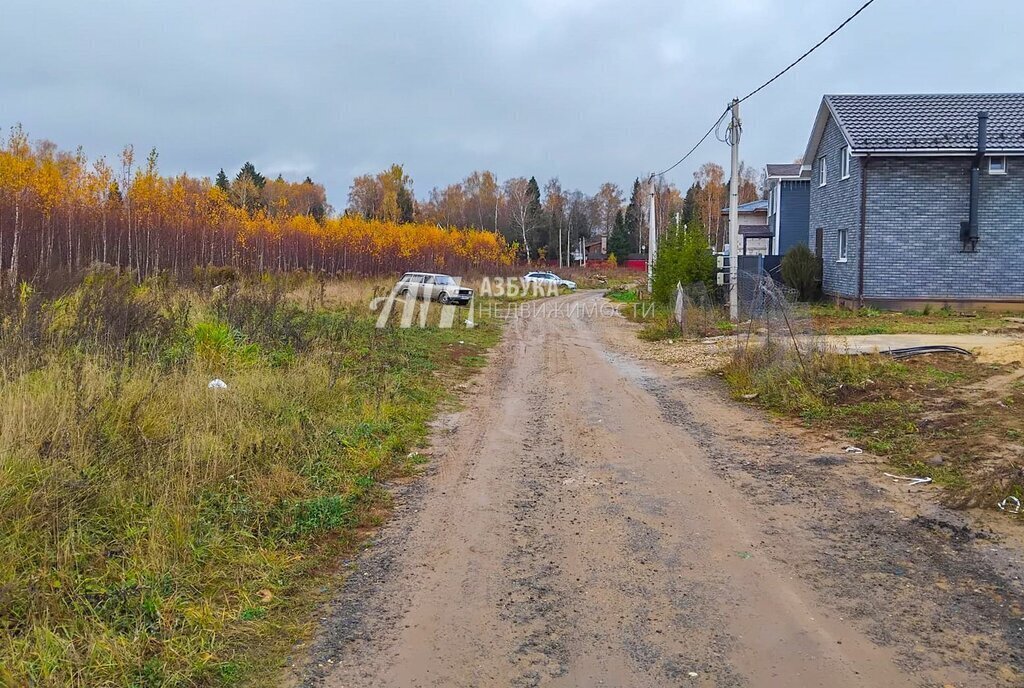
x=913, y=250
x=833, y=207
x=793, y=208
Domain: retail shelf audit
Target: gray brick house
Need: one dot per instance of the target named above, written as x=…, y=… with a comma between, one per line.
x=905, y=209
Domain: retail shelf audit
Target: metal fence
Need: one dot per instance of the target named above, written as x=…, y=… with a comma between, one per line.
x=751, y=271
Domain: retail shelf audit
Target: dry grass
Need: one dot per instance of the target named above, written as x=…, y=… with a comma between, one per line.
x=338, y=293
x=951, y=418
x=159, y=533
x=831, y=319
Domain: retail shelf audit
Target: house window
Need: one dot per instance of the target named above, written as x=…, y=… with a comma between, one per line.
x=822, y=171
x=841, y=249
x=997, y=165
x=844, y=162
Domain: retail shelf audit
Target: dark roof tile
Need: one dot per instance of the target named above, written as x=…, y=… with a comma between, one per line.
x=930, y=122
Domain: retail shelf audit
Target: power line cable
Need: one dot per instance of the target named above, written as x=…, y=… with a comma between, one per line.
x=680, y=161
x=714, y=127
x=817, y=45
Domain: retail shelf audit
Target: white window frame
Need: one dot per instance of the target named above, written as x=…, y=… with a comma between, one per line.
x=822, y=170
x=993, y=159
x=844, y=162
x=842, y=245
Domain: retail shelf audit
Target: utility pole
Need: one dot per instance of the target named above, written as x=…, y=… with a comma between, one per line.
x=734, y=213
x=568, y=244
x=652, y=239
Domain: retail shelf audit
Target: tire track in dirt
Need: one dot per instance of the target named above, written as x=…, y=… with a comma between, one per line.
x=921, y=583
x=536, y=599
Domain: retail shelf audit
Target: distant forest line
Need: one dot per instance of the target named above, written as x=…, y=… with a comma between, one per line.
x=60, y=210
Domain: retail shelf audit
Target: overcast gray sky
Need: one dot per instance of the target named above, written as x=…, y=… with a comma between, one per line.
x=586, y=90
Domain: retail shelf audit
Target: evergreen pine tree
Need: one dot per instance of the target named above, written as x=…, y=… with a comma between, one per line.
x=690, y=203
x=249, y=170
x=537, y=219
x=634, y=216
x=406, y=205
x=247, y=187
x=222, y=182
x=684, y=257
x=618, y=242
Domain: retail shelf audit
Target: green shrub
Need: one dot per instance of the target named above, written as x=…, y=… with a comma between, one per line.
x=684, y=257
x=801, y=270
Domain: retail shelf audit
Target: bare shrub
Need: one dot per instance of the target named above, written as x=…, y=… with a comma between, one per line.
x=262, y=314
x=105, y=313
x=112, y=314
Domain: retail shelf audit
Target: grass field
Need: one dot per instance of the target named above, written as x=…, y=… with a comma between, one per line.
x=155, y=532
x=831, y=319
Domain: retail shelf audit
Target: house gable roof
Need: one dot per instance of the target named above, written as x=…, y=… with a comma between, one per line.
x=922, y=124
x=758, y=206
x=783, y=171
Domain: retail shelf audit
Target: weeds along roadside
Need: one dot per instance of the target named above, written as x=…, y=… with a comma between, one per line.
x=658, y=321
x=921, y=415
x=156, y=532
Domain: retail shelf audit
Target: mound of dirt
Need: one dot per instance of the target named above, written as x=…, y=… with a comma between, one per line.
x=1003, y=355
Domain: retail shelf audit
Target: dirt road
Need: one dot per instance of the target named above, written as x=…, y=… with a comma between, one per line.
x=592, y=520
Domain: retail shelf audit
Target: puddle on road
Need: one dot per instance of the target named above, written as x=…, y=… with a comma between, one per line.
x=631, y=369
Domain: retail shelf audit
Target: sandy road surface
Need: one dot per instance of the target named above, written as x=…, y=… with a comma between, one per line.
x=590, y=520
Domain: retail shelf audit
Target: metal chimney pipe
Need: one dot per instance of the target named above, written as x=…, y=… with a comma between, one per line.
x=979, y=159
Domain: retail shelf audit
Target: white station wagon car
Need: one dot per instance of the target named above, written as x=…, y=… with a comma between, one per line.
x=433, y=287
x=547, y=279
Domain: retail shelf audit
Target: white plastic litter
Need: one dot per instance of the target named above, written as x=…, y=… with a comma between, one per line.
x=469, y=322
x=217, y=383
x=853, y=450
x=1010, y=505
x=910, y=480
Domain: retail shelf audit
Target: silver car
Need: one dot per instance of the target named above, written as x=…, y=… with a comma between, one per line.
x=548, y=279
x=433, y=287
